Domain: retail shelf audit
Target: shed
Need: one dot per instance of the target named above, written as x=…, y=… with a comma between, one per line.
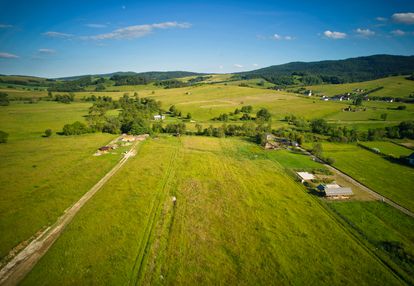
x=305, y=176
x=338, y=192
x=105, y=148
x=159, y=117
x=411, y=159
x=334, y=190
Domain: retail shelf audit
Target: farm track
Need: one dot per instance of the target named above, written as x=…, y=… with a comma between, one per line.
x=21, y=264
x=142, y=252
x=363, y=187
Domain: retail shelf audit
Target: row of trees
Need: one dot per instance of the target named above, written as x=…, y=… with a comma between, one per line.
x=62, y=98
x=129, y=80
x=4, y=99
x=248, y=129
x=262, y=115
x=344, y=134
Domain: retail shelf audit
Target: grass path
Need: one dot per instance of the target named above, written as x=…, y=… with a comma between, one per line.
x=136, y=273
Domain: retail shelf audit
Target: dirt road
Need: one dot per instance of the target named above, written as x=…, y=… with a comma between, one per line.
x=17, y=268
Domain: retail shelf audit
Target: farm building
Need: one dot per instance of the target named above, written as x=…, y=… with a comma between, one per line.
x=128, y=138
x=159, y=117
x=411, y=159
x=334, y=191
x=105, y=148
x=305, y=176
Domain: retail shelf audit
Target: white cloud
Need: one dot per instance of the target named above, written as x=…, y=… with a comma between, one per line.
x=334, y=35
x=5, y=26
x=46, y=51
x=137, y=31
x=405, y=18
x=95, y=25
x=255, y=65
x=365, y=32
x=398, y=33
x=53, y=34
x=8, y=56
x=279, y=37
x=238, y=65
x=381, y=19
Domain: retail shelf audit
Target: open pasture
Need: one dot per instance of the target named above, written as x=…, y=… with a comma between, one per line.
x=41, y=177
x=388, y=148
x=238, y=219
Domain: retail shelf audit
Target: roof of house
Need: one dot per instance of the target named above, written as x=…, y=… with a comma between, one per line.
x=306, y=176
x=411, y=156
x=331, y=192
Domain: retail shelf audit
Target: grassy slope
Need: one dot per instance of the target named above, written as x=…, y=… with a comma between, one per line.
x=389, y=148
x=396, y=86
x=41, y=177
x=208, y=101
x=227, y=227
x=24, y=121
x=382, y=225
x=390, y=179
x=373, y=113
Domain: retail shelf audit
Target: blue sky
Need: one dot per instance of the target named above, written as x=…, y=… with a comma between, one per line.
x=62, y=38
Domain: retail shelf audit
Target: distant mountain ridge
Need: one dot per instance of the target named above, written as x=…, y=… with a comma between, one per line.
x=153, y=75
x=336, y=71
x=308, y=73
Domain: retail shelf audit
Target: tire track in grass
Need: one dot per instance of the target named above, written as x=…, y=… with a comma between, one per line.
x=144, y=246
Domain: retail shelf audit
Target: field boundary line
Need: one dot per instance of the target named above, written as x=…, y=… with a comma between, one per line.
x=21, y=264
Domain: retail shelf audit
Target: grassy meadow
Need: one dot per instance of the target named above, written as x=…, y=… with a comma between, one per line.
x=388, y=148
x=41, y=177
x=238, y=219
x=396, y=86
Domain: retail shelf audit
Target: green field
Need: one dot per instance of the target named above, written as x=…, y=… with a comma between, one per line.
x=387, y=229
x=41, y=177
x=24, y=121
x=392, y=180
x=238, y=219
x=389, y=148
x=396, y=86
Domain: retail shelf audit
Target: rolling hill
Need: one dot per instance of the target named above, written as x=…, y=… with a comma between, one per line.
x=335, y=71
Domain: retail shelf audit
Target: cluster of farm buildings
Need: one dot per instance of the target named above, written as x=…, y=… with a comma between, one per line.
x=332, y=190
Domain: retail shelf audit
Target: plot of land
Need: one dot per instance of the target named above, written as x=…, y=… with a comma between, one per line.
x=238, y=219
x=392, y=180
x=387, y=229
x=389, y=148
x=396, y=86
